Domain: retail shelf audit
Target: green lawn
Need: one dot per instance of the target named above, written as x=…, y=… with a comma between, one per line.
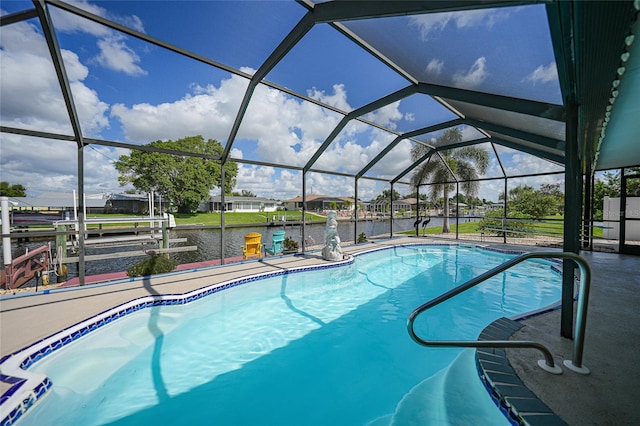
x=465, y=228
x=213, y=219
x=550, y=226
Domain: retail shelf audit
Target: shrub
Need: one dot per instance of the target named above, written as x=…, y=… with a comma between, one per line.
x=289, y=244
x=153, y=265
x=362, y=238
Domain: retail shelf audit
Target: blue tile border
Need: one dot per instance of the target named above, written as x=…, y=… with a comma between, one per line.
x=27, y=388
x=519, y=404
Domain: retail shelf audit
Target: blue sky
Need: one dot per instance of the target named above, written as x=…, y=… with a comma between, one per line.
x=129, y=91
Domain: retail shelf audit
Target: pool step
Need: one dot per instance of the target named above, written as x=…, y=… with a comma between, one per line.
x=454, y=395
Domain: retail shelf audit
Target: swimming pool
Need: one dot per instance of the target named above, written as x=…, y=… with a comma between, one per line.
x=324, y=346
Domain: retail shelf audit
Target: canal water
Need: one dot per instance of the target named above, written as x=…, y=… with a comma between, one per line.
x=209, y=246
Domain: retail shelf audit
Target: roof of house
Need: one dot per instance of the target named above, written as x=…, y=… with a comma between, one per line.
x=128, y=197
x=314, y=197
x=54, y=201
x=232, y=198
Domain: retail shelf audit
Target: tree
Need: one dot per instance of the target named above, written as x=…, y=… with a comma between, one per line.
x=468, y=163
x=470, y=201
x=243, y=193
x=609, y=185
x=384, y=197
x=524, y=199
x=185, y=181
x=553, y=190
x=16, y=190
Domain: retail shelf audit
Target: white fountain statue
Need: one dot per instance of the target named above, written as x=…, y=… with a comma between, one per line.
x=332, y=249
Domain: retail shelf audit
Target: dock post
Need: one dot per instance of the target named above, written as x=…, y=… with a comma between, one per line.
x=61, y=252
x=165, y=235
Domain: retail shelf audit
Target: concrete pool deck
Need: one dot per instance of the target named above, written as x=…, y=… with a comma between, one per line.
x=608, y=395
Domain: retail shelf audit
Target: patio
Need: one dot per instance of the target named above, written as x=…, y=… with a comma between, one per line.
x=607, y=396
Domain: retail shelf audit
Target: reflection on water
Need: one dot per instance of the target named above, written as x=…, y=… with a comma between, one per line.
x=208, y=242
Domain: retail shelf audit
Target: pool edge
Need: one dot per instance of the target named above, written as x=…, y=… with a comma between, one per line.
x=30, y=387
x=27, y=388
x=514, y=399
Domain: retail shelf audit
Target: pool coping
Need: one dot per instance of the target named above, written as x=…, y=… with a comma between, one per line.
x=27, y=388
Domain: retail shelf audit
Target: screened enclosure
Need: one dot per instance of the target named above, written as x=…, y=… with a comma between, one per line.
x=342, y=98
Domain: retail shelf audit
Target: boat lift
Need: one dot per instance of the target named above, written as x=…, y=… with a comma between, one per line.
x=66, y=228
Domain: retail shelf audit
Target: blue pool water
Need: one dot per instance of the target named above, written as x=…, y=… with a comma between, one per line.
x=325, y=347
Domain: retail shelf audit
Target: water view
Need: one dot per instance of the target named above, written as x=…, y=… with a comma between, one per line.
x=208, y=242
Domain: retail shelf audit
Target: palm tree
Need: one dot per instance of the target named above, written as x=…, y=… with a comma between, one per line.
x=467, y=163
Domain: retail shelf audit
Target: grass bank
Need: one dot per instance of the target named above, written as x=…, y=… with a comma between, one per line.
x=214, y=218
x=549, y=226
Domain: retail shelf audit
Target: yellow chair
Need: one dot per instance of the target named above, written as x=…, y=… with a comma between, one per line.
x=252, y=245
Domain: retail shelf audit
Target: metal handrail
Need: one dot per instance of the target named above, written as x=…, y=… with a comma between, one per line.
x=585, y=282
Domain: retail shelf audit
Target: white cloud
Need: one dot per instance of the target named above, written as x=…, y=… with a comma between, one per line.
x=521, y=163
x=117, y=56
x=31, y=98
x=131, y=21
x=394, y=162
x=287, y=185
x=537, y=181
x=209, y=112
x=285, y=130
x=336, y=99
x=435, y=67
x=470, y=132
x=100, y=176
x=114, y=52
x=543, y=74
x=434, y=22
x=473, y=77
x=337, y=186
x=30, y=92
x=91, y=110
x=491, y=190
x=69, y=22
x=486, y=18
x=430, y=23
x=51, y=166
x=386, y=116
x=257, y=179
x=283, y=184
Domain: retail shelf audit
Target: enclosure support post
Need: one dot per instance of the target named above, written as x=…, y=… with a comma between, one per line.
x=504, y=213
x=572, y=208
x=622, y=209
x=417, y=210
x=457, y=208
x=222, y=209
x=355, y=210
x=6, y=239
x=391, y=214
x=587, y=221
x=304, y=211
